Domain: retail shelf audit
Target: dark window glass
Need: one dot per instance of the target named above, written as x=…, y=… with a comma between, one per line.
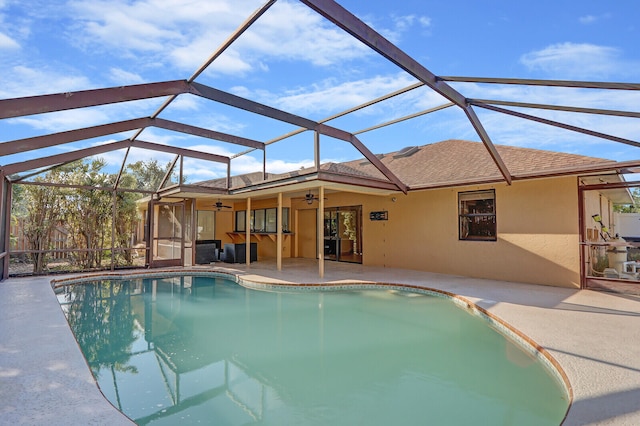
x=241, y=221
x=263, y=220
x=477, y=215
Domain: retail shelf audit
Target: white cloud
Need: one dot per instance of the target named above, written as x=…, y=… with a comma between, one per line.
x=248, y=164
x=63, y=120
x=122, y=77
x=7, y=42
x=308, y=37
x=115, y=158
x=587, y=19
x=131, y=26
x=199, y=170
x=406, y=22
x=574, y=60
x=328, y=96
x=192, y=56
x=280, y=166
x=186, y=35
x=425, y=21
x=508, y=130
x=29, y=81
x=159, y=136
x=591, y=19
x=403, y=24
x=219, y=122
x=186, y=103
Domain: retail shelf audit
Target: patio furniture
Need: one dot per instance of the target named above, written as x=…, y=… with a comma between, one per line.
x=206, y=251
x=237, y=253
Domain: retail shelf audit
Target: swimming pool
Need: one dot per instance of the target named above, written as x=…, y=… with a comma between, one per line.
x=200, y=349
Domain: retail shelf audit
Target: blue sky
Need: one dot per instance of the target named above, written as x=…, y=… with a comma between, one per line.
x=295, y=60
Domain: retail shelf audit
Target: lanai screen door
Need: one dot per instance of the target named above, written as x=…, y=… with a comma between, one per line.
x=167, y=248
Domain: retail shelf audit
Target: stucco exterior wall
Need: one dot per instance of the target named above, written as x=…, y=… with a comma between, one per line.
x=537, y=231
x=537, y=242
x=537, y=224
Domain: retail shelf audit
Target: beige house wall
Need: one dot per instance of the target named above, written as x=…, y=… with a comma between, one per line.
x=537, y=223
x=537, y=227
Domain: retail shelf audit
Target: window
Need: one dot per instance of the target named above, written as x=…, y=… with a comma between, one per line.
x=270, y=220
x=263, y=220
x=206, y=225
x=241, y=220
x=257, y=220
x=477, y=215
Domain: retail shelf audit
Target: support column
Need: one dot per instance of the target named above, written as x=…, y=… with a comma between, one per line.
x=320, y=229
x=113, y=229
x=316, y=150
x=181, y=174
x=194, y=230
x=279, y=233
x=264, y=164
x=248, y=233
x=150, y=226
x=5, y=225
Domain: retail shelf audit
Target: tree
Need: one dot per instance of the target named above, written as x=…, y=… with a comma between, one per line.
x=43, y=215
x=126, y=219
x=147, y=175
x=87, y=214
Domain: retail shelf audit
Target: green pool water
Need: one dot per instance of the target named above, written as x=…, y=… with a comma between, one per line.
x=204, y=350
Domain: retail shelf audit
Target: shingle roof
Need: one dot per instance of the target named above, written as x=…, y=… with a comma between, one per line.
x=451, y=162
x=457, y=161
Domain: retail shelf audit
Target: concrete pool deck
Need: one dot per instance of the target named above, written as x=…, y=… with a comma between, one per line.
x=594, y=336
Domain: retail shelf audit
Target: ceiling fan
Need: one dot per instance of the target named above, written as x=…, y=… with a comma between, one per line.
x=219, y=206
x=309, y=198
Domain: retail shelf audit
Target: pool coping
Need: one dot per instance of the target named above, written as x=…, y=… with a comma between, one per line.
x=593, y=337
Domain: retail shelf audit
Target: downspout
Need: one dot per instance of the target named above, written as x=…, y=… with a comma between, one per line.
x=5, y=203
x=279, y=233
x=248, y=234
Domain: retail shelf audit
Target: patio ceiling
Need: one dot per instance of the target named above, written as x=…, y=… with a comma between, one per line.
x=171, y=90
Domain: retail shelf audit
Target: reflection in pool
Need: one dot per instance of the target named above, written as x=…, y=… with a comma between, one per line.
x=206, y=350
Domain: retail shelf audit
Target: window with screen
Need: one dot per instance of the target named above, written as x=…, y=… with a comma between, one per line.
x=262, y=220
x=477, y=215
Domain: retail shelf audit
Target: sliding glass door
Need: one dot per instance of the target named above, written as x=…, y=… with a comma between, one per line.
x=343, y=234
